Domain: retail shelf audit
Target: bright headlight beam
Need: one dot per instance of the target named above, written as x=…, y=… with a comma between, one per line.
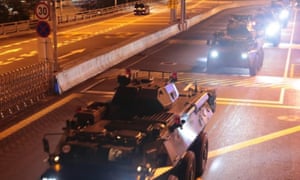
x=244, y=55
x=273, y=28
x=56, y=159
x=214, y=54
x=284, y=14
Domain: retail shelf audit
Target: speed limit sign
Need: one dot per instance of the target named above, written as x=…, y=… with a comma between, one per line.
x=42, y=10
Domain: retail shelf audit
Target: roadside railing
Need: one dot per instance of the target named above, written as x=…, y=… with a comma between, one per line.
x=69, y=19
x=23, y=87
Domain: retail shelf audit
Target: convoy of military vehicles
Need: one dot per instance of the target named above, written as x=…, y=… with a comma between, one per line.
x=151, y=129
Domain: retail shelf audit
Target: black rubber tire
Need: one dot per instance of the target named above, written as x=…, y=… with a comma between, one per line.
x=276, y=41
x=187, y=170
x=252, y=71
x=261, y=57
x=209, y=66
x=201, y=153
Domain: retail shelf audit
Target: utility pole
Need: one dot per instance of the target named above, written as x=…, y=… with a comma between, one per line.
x=54, y=34
x=183, y=25
x=172, y=4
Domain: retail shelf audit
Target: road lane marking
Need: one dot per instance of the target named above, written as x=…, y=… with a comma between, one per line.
x=253, y=104
x=256, y=82
x=249, y=101
x=253, y=141
x=10, y=51
x=77, y=51
x=291, y=118
x=30, y=54
x=36, y=116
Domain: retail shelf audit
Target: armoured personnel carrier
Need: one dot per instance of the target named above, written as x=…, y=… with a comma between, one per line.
x=238, y=47
x=149, y=130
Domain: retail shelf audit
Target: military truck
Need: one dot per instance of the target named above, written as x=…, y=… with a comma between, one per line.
x=150, y=129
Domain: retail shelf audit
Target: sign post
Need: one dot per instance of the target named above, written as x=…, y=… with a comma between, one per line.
x=45, y=10
x=42, y=12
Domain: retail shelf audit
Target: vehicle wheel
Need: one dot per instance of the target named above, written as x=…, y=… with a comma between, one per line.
x=201, y=153
x=253, y=70
x=285, y=24
x=261, y=57
x=276, y=41
x=188, y=167
x=209, y=66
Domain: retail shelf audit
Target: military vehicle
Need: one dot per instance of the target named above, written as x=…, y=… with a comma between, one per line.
x=282, y=11
x=238, y=47
x=150, y=129
x=268, y=25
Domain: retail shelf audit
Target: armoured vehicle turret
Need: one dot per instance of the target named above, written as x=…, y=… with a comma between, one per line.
x=151, y=129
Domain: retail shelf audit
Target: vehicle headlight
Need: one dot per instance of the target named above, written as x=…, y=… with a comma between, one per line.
x=284, y=14
x=272, y=29
x=214, y=54
x=56, y=159
x=49, y=178
x=244, y=55
x=147, y=169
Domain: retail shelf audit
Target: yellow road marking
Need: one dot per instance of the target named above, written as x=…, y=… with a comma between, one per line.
x=252, y=142
x=292, y=70
x=36, y=116
x=10, y=51
x=248, y=101
x=257, y=105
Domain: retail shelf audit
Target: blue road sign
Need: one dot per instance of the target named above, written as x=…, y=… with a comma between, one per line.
x=43, y=29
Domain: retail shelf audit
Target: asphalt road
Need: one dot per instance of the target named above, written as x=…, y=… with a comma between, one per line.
x=80, y=43
x=253, y=135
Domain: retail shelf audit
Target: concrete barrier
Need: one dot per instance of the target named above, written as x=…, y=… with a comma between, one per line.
x=80, y=73
x=77, y=74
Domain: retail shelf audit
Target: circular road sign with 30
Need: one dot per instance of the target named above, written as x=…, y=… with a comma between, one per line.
x=42, y=10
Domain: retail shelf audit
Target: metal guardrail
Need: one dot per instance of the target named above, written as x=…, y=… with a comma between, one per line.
x=23, y=87
x=18, y=26
x=70, y=19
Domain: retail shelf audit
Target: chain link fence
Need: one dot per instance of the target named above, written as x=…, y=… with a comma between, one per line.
x=24, y=87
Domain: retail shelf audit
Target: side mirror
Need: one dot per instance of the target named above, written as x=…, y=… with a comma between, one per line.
x=46, y=145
